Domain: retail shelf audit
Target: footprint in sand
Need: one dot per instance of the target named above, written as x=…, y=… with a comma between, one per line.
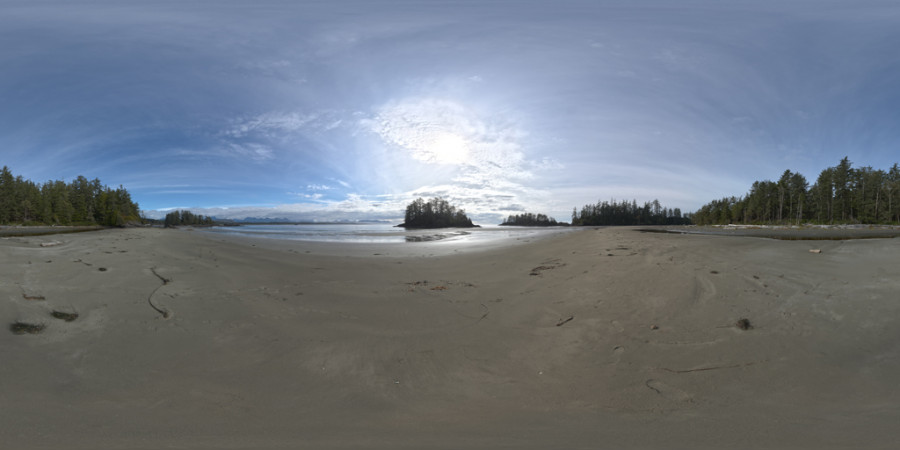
x=617, y=326
x=617, y=353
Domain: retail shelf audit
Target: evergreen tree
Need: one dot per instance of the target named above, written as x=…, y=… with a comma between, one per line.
x=530, y=220
x=435, y=213
x=80, y=202
x=185, y=217
x=628, y=213
x=841, y=194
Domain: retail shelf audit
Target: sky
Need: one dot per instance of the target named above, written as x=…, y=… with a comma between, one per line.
x=349, y=110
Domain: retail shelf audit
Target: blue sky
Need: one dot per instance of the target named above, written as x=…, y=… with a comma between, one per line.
x=334, y=110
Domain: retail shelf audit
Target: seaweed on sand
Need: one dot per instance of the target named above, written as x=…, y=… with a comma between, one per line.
x=68, y=317
x=24, y=327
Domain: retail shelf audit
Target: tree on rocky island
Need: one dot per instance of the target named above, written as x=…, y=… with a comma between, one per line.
x=435, y=213
x=531, y=220
x=184, y=217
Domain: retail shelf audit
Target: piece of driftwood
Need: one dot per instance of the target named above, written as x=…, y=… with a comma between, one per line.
x=163, y=312
x=564, y=321
x=68, y=317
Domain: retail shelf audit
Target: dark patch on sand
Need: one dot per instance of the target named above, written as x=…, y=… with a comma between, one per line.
x=26, y=328
x=805, y=233
x=68, y=317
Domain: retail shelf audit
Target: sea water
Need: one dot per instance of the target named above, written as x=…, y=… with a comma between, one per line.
x=379, y=233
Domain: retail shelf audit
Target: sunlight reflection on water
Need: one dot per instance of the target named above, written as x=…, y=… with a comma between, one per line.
x=379, y=233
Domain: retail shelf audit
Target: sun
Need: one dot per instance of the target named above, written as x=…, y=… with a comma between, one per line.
x=448, y=148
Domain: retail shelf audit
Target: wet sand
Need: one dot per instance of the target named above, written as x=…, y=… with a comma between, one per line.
x=788, y=233
x=7, y=231
x=598, y=338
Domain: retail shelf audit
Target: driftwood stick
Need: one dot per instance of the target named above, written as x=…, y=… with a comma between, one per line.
x=487, y=311
x=702, y=369
x=164, y=313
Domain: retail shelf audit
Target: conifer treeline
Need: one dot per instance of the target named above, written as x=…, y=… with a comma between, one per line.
x=80, y=202
x=841, y=194
x=435, y=213
x=625, y=213
x=183, y=217
x=530, y=220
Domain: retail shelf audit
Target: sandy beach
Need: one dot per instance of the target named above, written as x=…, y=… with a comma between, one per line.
x=595, y=338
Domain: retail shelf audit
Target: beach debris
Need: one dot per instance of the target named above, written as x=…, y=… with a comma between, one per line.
x=164, y=313
x=743, y=324
x=654, y=327
x=68, y=317
x=24, y=327
x=547, y=265
x=704, y=369
x=102, y=269
x=815, y=250
x=33, y=297
x=714, y=272
x=164, y=280
x=487, y=311
x=50, y=244
x=564, y=321
x=442, y=285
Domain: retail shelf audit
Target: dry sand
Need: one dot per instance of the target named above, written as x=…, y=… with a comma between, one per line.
x=274, y=344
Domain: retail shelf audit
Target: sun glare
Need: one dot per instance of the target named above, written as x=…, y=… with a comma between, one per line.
x=449, y=149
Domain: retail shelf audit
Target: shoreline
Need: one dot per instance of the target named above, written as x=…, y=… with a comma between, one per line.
x=415, y=242
x=42, y=230
x=786, y=232
x=780, y=232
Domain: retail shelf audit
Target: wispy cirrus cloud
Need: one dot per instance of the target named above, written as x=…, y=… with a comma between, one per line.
x=272, y=125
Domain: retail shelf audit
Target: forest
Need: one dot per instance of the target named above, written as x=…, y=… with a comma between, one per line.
x=840, y=195
x=435, y=213
x=80, y=202
x=531, y=220
x=184, y=217
x=628, y=213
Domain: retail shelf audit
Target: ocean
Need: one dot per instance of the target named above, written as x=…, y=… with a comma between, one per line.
x=380, y=233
